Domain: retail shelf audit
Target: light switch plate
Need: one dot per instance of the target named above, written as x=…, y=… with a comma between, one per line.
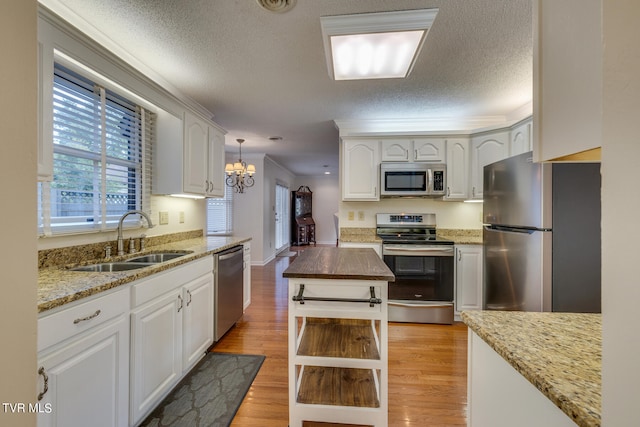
x=181, y=217
x=163, y=218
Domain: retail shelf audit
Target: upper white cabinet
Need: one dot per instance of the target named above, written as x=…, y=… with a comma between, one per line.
x=486, y=148
x=189, y=158
x=457, y=169
x=414, y=150
x=360, y=164
x=520, y=138
x=567, y=77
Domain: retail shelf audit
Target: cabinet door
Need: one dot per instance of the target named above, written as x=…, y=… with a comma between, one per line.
x=197, y=319
x=468, y=277
x=247, y=275
x=360, y=163
x=196, y=151
x=397, y=150
x=520, y=139
x=429, y=150
x=457, y=169
x=87, y=380
x=486, y=149
x=215, y=182
x=156, y=342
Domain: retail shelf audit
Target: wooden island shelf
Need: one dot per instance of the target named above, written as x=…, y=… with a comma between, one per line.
x=338, y=358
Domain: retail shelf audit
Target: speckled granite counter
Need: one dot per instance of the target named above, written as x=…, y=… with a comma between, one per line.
x=559, y=353
x=460, y=236
x=58, y=286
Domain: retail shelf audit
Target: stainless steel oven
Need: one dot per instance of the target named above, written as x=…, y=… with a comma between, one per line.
x=423, y=266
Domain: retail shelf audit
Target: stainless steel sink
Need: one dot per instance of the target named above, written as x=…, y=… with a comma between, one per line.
x=112, y=266
x=157, y=257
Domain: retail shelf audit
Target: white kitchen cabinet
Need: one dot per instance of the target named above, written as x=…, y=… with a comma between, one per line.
x=189, y=156
x=171, y=328
x=486, y=148
x=499, y=396
x=360, y=164
x=83, y=364
x=567, y=78
x=197, y=322
x=468, y=275
x=520, y=138
x=375, y=246
x=246, y=274
x=457, y=169
x=414, y=150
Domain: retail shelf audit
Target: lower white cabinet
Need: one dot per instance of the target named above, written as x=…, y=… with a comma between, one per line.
x=171, y=328
x=468, y=278
x=83, y=364
x=246, y=275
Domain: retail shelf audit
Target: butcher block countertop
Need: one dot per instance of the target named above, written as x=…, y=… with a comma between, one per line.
x=339, y=263
x=559, y=353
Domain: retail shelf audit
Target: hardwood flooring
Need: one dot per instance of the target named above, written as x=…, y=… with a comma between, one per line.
x=427, y=363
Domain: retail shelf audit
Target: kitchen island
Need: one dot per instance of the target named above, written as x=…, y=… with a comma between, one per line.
x=531, y=369
x=338, y=357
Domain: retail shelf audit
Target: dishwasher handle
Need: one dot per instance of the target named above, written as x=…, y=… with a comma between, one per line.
x=230, y=253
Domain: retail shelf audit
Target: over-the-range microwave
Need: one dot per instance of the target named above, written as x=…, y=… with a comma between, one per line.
x=412, y=179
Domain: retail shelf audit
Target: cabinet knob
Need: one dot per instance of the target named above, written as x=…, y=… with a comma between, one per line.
x=181, y=303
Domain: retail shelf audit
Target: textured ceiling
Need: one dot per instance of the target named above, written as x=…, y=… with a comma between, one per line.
x=263, y=74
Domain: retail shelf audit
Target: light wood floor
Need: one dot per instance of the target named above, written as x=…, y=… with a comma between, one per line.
x=427, y=363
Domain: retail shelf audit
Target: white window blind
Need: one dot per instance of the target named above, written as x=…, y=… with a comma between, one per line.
x=220, y=214
x=101, y=157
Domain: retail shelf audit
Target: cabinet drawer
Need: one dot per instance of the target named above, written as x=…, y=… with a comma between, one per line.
x=57, y=327
x=158, y=284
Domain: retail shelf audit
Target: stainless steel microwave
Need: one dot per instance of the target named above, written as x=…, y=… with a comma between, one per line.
x=412, y=179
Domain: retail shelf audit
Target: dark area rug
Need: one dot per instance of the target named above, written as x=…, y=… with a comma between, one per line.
x=210, y=394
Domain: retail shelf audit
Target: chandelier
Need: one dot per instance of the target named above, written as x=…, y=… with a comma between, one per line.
x=237, y=173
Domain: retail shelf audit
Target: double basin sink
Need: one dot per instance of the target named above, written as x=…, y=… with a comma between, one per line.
x=132, y=263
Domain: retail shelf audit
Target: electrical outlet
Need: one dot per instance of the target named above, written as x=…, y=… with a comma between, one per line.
x=163, y=218
x=181, y=217
x=360, y=215
x=350, y=215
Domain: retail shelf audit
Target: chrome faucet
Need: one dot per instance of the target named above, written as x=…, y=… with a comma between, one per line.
x=120, y=243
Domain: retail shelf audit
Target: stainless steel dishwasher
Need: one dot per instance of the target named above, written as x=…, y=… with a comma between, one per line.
x=228, y=298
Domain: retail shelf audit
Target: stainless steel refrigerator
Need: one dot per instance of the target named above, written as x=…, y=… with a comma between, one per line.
x=541, y=236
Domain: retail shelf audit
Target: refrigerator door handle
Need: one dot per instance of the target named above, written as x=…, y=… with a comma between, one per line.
x=504, y=229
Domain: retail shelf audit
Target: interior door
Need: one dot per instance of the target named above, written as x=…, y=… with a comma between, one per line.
x=282, y=216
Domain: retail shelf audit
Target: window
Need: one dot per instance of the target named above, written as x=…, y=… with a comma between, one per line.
x=219, y=214
x=101, y=157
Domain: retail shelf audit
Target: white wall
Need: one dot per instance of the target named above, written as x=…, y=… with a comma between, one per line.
x=620, y=207
x=448, y=214
x=326, y=198
x=254, y=210
x=18, y=153
x=195, y=216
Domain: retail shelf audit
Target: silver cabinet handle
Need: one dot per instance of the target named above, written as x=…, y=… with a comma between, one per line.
x=84, y=319
x=181, y=303
x=473, y=192
x=448, y=191
x=190, y=298
x=459, y=255
x=44, y=375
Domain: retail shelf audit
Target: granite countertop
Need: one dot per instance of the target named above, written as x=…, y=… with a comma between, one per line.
x=461, y=236
x=339, y=263
x=559, y=353
x=57, y=285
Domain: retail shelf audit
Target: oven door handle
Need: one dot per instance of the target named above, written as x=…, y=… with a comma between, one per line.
x=421, y=305
x=418, y=251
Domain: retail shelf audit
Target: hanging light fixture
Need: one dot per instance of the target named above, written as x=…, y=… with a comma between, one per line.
x=237, y=173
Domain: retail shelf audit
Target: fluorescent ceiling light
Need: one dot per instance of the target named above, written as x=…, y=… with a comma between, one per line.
x=374, y=45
